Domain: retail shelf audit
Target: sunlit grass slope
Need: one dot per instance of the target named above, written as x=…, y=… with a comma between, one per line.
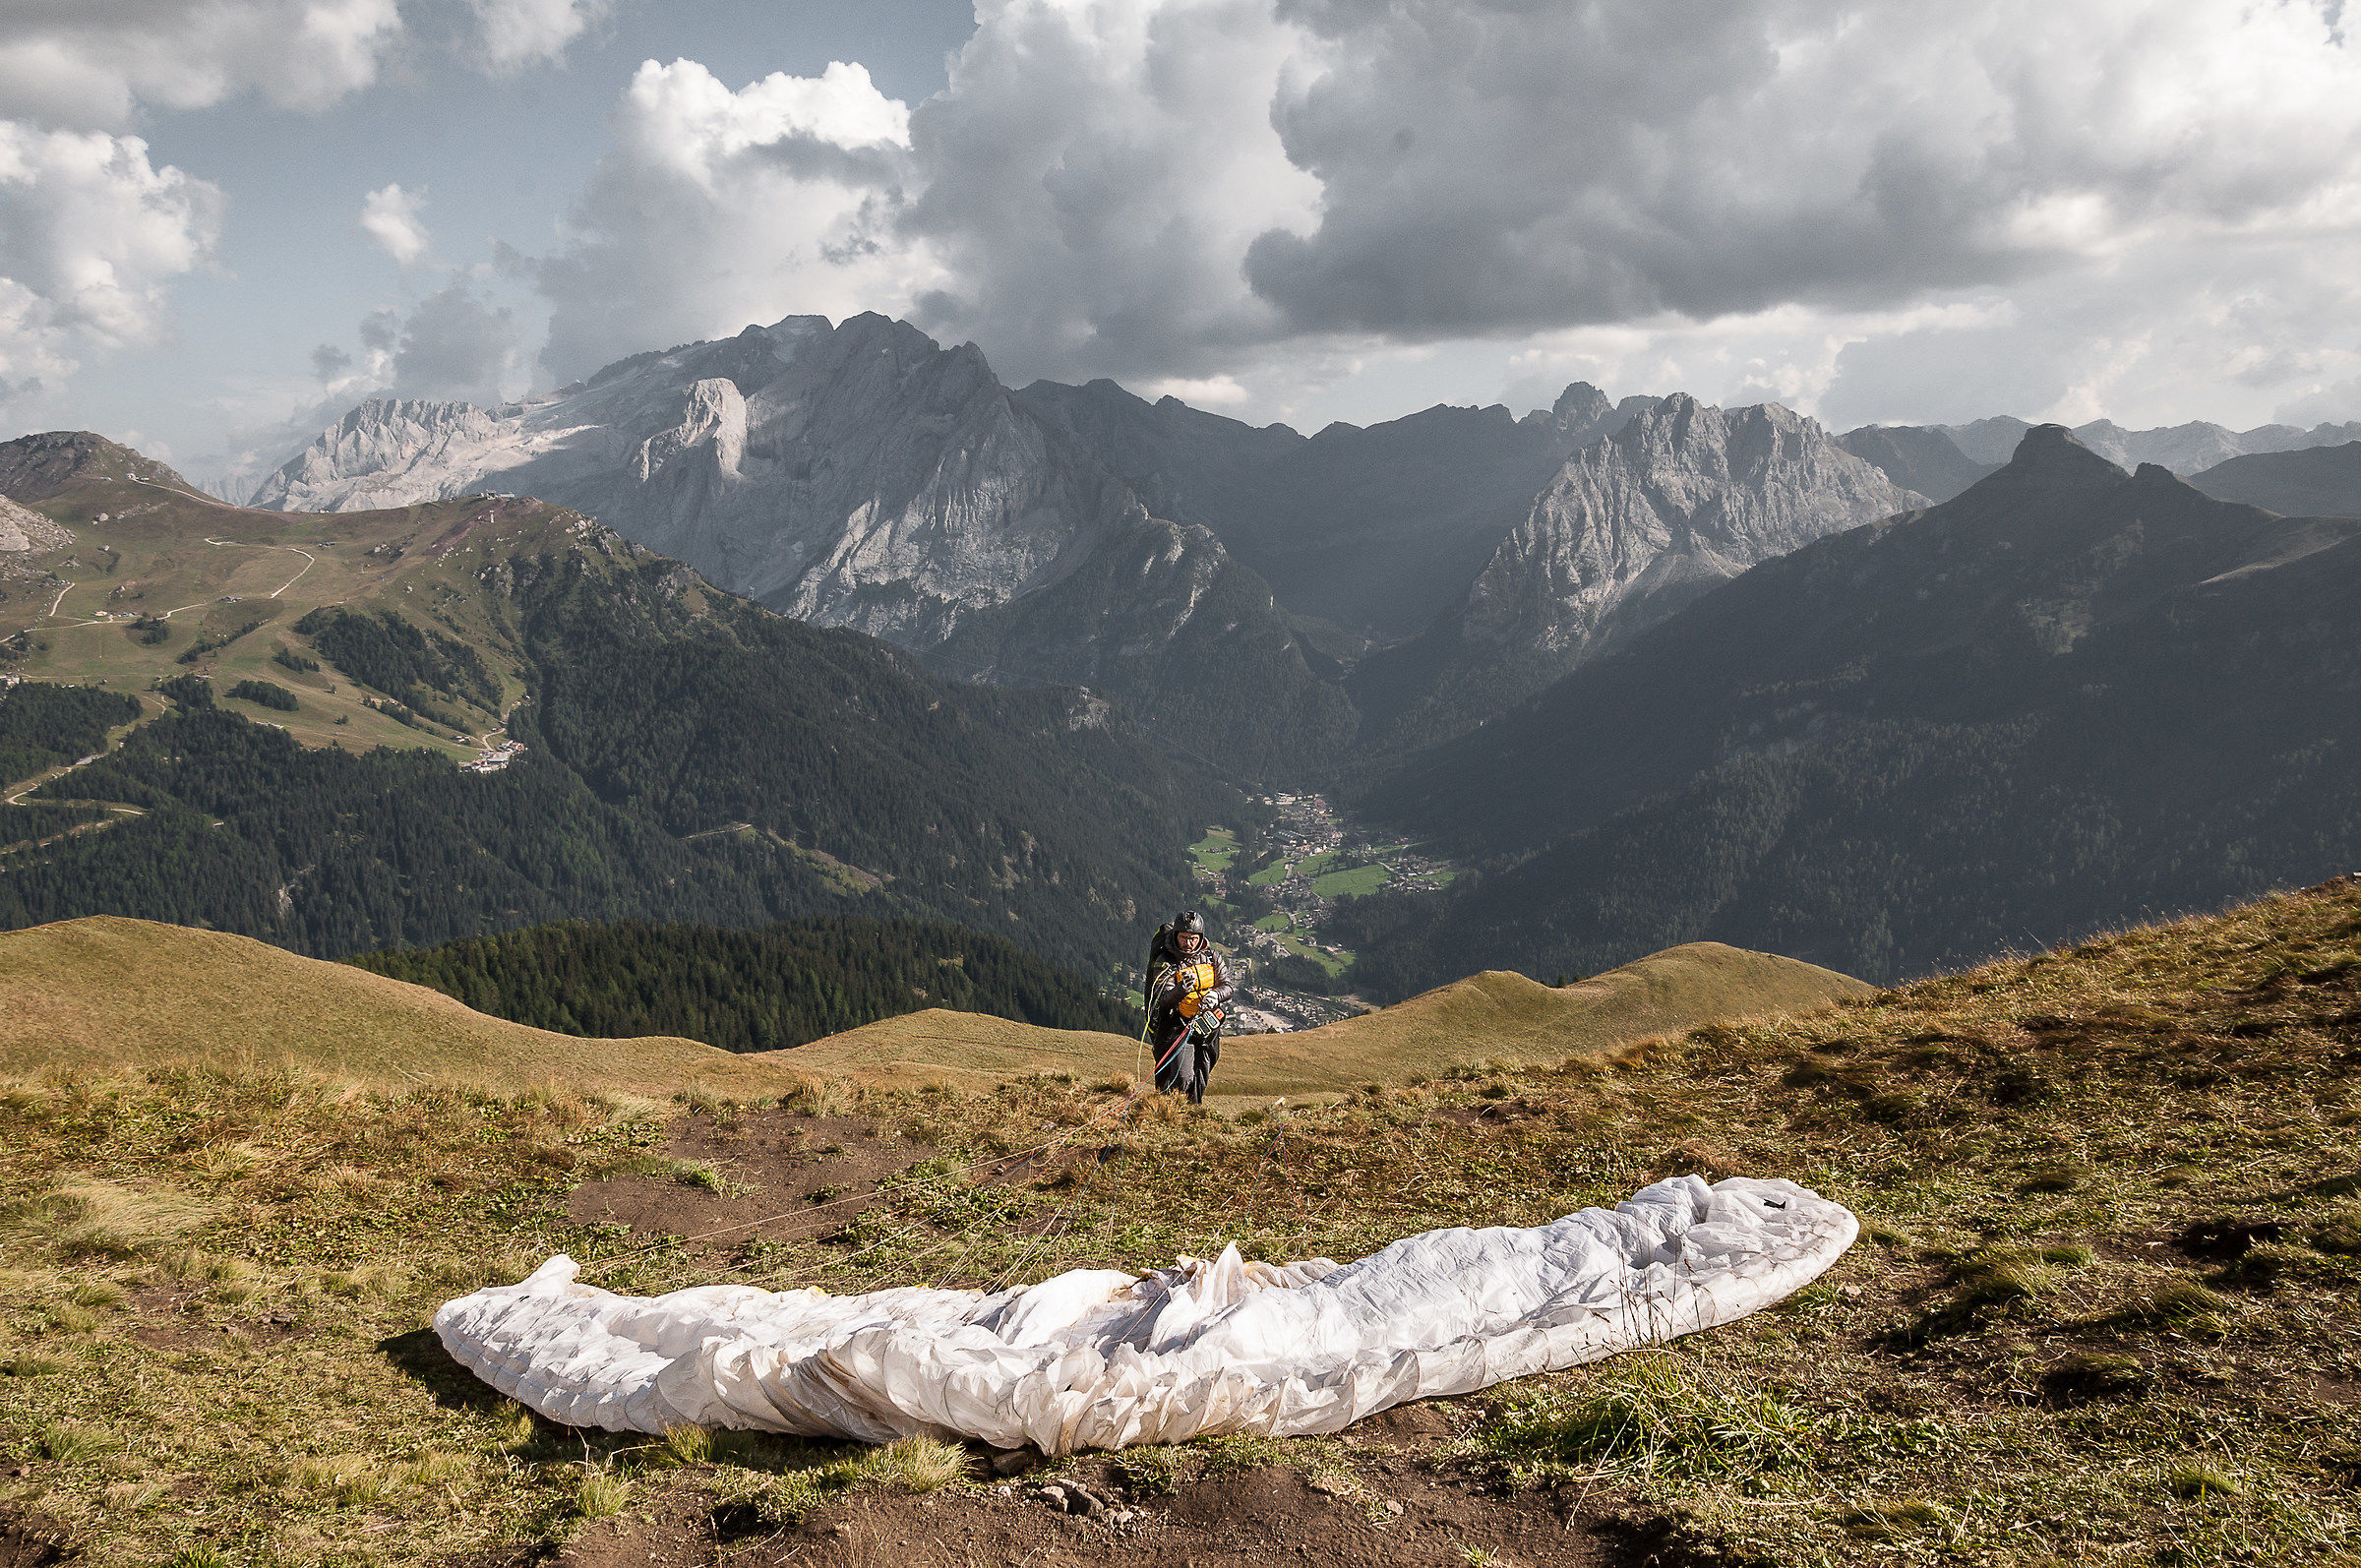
x=1494, y=1015
x=157, y=575
x=2104, y=1310
x=104, y=993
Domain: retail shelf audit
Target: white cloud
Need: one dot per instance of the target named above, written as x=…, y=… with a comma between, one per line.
x=390, y=218
x=1093, y=176
x=1207, y=391
x=524, y=32
x=1770, y=194
x=91, y=233
x=90, y=63
x=718, y=208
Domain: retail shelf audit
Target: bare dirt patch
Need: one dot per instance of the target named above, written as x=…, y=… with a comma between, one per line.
x=30, y=1540
x=782, y=1177
x=1393, y=1510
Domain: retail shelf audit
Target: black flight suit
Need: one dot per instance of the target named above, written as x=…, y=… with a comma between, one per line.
x=1180, y=989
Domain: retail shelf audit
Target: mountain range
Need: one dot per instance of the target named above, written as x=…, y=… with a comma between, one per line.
x=1218, y=579
x=2067, y=697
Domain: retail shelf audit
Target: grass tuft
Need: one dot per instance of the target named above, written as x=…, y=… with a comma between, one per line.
x=1654, y=1417
x=601, y=1495
x=914, y=1465
x=62, y=1443
x=101, y=1219
x=2197, y=1482
x=689, y=1445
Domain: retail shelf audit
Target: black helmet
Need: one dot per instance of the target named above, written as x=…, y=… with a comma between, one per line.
x=1188, y=923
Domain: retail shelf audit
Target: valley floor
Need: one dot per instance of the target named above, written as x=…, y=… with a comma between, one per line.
x=2105, y=1308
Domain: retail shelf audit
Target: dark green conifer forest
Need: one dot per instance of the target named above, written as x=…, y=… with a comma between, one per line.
x=760, y=989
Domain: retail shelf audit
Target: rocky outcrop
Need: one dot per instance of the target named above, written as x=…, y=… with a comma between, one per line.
x=1631, y=529
x=24, y=531
x=1374, y=529
x=1682, y=498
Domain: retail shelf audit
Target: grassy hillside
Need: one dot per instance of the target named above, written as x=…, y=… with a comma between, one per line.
x=109, y=995
x=2104, y=1306
x=1494, y=1015
x=686, y=755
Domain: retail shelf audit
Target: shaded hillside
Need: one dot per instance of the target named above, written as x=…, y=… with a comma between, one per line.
x=2067, y=698
x=1917, y=457
x=686, y=755
x=746, y=991
x=111, y=994
x=2319, y=482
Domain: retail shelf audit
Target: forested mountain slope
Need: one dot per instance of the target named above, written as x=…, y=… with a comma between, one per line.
x=2069, y=698
x=687, y=756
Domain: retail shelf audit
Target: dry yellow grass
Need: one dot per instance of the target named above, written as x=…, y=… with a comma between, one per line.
x=1493, y=1015
x=107, y=994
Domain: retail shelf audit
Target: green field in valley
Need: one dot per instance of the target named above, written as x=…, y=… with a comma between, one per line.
x=1216, y=852
x=1353, y=883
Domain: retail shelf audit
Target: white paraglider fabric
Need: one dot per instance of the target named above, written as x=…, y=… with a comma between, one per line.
x=1102, y=1358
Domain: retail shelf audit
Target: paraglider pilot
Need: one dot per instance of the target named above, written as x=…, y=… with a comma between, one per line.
x=1188, y=985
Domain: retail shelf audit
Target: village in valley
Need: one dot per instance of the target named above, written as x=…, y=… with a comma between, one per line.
x=1276, y=896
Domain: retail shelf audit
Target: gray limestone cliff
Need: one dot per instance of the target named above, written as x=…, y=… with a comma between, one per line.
x=1630, y=530
x=863, y=476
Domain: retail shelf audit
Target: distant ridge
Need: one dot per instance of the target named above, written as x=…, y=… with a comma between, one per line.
x=2320, y=482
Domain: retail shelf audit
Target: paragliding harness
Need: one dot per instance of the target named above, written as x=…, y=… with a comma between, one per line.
x=1199, y=1019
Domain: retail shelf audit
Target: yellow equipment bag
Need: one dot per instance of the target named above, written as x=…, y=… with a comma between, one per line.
x=1193, y=980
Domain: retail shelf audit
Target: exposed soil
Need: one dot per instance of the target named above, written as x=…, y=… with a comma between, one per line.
x=30, y=1540
x=803, y=1176
x=1397, y=1508
x=164, y=1322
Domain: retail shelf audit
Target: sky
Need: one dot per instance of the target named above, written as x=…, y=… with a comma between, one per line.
x=223, y=222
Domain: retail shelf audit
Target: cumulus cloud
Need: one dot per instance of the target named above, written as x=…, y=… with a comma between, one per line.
x=1185, y=189
x=390, y=216
x=1093, y=176
x=329, y=362
x=90, y=63
x=523, y=32
x=717, y=207
x=1487, y=169
x=454, y=344
x=91, y=233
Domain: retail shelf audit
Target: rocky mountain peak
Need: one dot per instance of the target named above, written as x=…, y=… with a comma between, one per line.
x=2053, y=451
x=1682, y=497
